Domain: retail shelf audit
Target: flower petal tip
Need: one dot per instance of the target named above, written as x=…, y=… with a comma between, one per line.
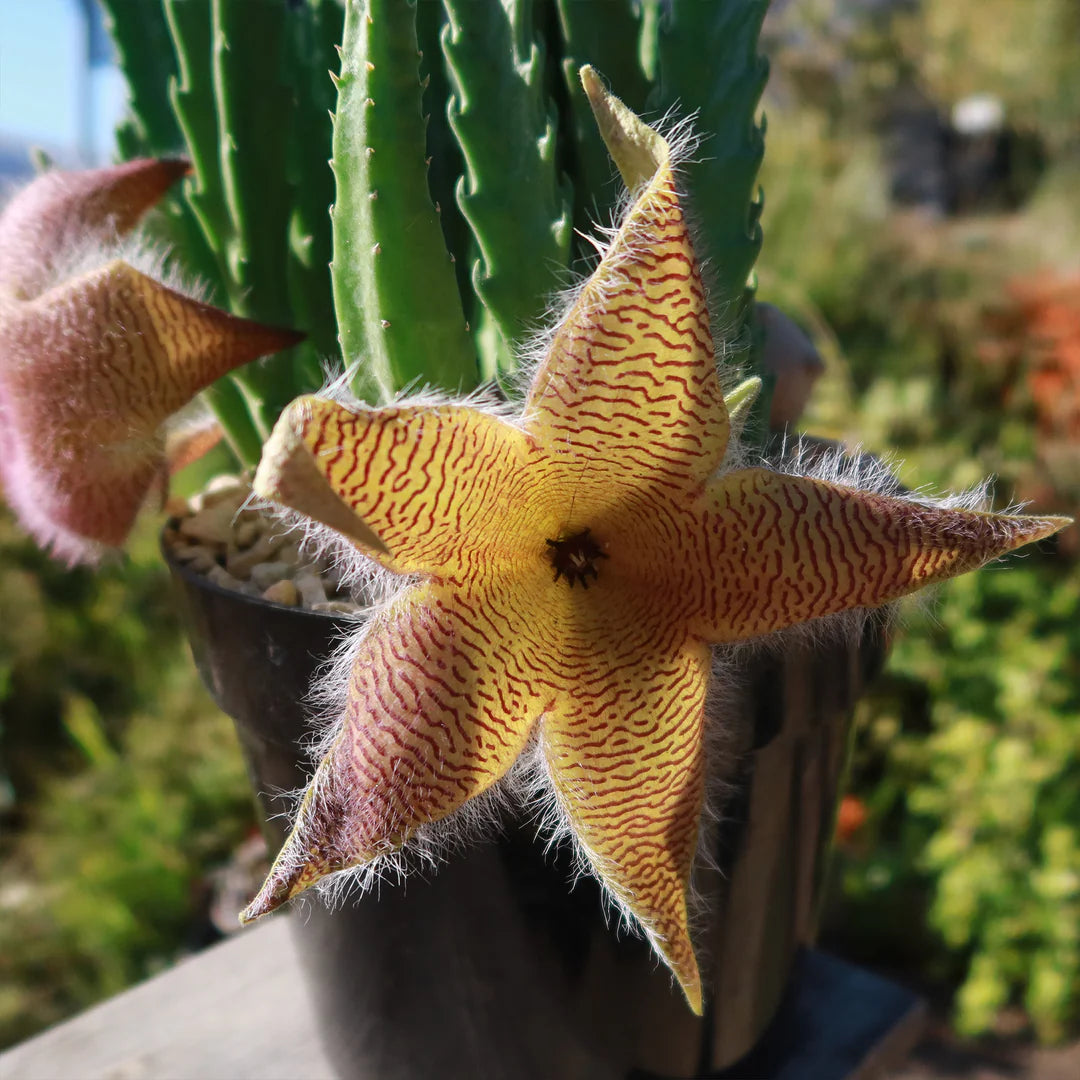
x=59, y=210
x=289, y=472
x=677, y=951
x=1022, y=529
x=298, y=866
x=275, y=892
x=252, y=340
x=692, y=990
x=636, y=148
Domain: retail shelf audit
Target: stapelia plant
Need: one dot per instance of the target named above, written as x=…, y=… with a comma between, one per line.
x=96, y=356
x=565, y=566
x=566, y=569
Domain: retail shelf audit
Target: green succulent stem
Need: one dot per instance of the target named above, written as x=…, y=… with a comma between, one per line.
x=253, y=114
x=512, y=193
x=709, y=61
x=445, y=162
x=456, y=175
x=145, y=52
x=400, y=319
x=234, y=110
x=191, y=93
x=317, y=31
x=608, y=37
x=192, y=97
x=230, y=405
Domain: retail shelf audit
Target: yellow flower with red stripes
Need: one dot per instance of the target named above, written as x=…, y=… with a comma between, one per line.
x=570, y=569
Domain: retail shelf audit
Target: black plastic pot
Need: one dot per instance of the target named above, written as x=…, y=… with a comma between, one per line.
x=494, y=967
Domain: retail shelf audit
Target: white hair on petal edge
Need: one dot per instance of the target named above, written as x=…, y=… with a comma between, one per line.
x=152, y=258
x=857, y=470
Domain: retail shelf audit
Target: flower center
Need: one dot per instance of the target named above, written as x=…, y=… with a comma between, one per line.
x=574, y=557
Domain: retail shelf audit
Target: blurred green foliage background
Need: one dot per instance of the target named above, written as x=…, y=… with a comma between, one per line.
x=122, y=786
x=965, y=875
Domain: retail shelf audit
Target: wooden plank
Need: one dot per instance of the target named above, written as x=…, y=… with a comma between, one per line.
x=236, y=1011
x=239, y=1011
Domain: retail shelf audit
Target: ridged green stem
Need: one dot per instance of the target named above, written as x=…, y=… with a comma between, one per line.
x=445, y=162
x=607, y=36
x=512, y=195
x=232, y=408
x=395, y=293
x=147, y=58
x=192, y=98
x=145, y=53
x=316, y=29
x=485, y=176
x=144, y=44
x=709, y=61
x=254, y=113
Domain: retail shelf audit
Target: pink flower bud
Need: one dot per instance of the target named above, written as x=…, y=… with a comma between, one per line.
x=92, y=367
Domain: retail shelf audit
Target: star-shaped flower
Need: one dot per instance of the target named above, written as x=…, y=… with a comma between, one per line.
x=569, y=571
x=95, y=356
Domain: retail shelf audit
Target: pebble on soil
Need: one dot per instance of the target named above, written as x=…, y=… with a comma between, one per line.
x=235, y=545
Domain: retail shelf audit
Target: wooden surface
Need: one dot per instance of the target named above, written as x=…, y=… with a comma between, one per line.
x=239, y=1010
x=235, y=1011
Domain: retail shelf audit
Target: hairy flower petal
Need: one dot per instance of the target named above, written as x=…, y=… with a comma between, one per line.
x=89, y=372
x=625, y=747
x=59, y=211
x=631, y=369
x=381, y=477
x=782, y=550
x=574, y=569
x=440, y=706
